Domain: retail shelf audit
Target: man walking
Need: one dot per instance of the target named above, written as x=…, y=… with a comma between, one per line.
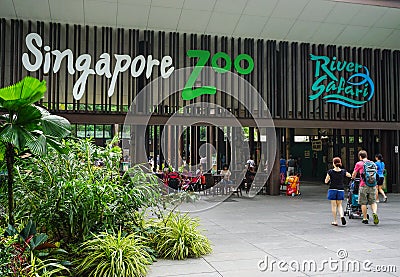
x=367, y=191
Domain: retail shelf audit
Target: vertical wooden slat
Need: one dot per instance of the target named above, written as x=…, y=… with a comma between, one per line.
x=94, y=103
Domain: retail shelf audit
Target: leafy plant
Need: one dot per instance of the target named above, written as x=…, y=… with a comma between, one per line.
x=29, y=249
x=45, y=267
x=6, y=253
x=107, y=255
x=71, y=196
x=178, y=238
x=26, y=126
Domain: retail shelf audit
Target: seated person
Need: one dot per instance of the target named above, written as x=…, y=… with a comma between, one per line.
x=165, y=175
x=214, y=169
x=226, y=174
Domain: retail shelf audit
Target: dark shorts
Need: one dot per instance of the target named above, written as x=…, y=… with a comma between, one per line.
x=380, y=181
x=334, y=194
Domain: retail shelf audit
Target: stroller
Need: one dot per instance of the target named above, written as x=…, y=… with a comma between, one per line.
x=353, y=209
x=292, y=185
x=173, y=180
x=192, y=182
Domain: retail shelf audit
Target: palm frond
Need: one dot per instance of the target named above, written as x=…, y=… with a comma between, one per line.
x=26, y=92
x=56, y=126
x=28, y=115
x=38, y=145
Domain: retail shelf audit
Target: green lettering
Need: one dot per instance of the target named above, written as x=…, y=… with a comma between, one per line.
x=349, y=90
x=323, y=66
x=358, y=66
x=350, y=67
x=358, y=91
x=188, y=92
x=216, y=67
x=365, y=90
x=342, y=82
x=247, y=58
x=317, y=86
x=341, y=65
x=331, y=86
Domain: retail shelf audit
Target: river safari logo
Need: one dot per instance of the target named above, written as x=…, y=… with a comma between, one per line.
x=354, y=92
x=139, y=65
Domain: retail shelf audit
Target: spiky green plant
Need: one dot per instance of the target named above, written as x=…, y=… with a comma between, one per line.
x=107, y=255
x=178, y=237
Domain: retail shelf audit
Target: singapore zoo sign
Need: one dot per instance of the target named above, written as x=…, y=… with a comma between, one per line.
x=137, y=65
x=354, y=92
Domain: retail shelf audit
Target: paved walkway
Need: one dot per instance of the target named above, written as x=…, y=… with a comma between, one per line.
x=244, y=231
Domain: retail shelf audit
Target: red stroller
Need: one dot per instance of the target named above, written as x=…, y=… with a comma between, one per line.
x=191, y=182
x=173, y=180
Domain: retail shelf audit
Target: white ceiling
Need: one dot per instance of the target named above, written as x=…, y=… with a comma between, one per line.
x=318, y=21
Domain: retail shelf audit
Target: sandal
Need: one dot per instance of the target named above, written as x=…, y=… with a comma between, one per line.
x=334, y=224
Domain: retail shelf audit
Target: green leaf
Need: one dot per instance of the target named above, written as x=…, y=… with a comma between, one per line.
x=2, y=151
x=28, y=115
x=9, y=134
x=60, y=148
x=56, y=126
x=37, y=240
x=30, y=229
x=38, y=145
x=15, y=135
x=10, y=231
x=23, y=93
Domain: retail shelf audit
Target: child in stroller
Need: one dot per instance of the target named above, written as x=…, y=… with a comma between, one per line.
x=353, y=209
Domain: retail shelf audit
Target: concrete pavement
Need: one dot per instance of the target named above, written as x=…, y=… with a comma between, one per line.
x=294, y=233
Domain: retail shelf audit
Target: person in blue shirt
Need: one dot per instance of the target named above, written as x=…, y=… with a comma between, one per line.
x=380, y=168
x=282, y=163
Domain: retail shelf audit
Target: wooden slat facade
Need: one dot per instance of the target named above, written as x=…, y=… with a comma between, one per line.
x=283, y=75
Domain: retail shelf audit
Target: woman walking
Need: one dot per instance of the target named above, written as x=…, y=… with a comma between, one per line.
x=380, y=167
x=335, y=178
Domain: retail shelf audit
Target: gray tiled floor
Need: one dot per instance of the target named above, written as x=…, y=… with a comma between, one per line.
x=291, y=229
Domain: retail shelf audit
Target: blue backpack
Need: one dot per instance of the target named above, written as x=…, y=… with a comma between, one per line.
x=369, y=174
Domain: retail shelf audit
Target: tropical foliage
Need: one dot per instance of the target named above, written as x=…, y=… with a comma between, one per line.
x=74, y=198
x=31, y=254
x=26, y=126
x=112, y=223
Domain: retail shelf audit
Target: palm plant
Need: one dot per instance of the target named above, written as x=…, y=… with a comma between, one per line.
x=26, y=126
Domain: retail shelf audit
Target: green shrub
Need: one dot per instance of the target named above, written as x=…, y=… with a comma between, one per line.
x=32, y=255
x=70, y=196
x=6, y=253
x=178, y=237
x=107, y=256
x=47, y=267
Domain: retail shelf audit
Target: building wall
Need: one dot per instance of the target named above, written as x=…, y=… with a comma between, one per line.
x=283, y=72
